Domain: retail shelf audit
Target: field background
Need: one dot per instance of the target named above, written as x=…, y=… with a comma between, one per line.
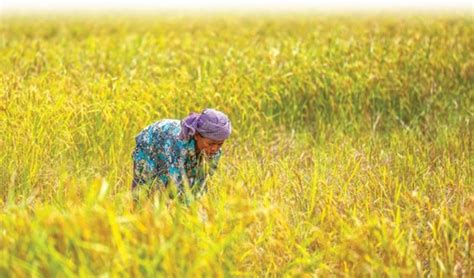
x=351, y=152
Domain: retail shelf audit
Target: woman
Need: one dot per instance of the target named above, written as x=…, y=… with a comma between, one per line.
x=182, y=153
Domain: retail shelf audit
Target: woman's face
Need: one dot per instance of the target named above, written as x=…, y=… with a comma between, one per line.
x=210, y=147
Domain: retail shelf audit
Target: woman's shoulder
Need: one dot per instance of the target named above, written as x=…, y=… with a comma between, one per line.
x=167, y=126
x=170, y=123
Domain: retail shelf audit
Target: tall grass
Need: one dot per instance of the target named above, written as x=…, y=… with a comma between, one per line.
x=351, y=152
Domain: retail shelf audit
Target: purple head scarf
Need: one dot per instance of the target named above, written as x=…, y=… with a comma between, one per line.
x=210, y=123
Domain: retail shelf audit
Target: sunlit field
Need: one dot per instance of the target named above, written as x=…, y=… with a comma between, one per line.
x=351, y=152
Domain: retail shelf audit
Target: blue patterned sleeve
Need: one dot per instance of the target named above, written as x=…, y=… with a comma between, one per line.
x=174, y=165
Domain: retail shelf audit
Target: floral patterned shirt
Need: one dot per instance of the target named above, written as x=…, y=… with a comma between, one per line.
x=161, y=155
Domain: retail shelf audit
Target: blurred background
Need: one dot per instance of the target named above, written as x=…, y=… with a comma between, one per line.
x=284, y=5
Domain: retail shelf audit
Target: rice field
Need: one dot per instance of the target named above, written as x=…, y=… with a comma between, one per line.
x=351, y=152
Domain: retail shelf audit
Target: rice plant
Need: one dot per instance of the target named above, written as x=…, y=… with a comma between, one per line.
x=351, y=153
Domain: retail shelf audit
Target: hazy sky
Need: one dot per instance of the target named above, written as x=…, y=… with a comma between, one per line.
x=45, y=5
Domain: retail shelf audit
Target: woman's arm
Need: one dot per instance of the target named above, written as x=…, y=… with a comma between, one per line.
x=209, y=168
